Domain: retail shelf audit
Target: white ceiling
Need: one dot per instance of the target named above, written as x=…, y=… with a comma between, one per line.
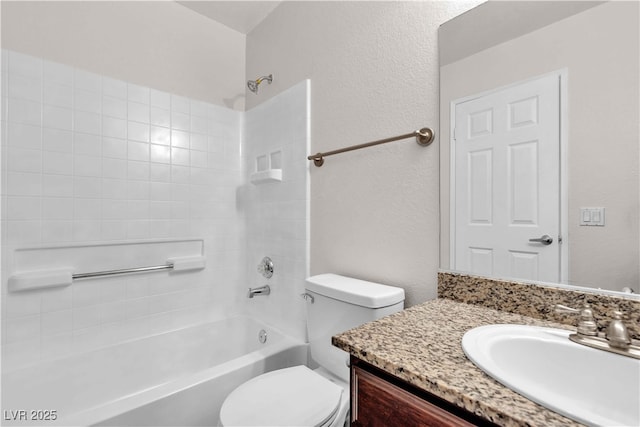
x=239, y=15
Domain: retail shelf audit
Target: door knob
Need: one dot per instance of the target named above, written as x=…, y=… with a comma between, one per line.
x=545, y=240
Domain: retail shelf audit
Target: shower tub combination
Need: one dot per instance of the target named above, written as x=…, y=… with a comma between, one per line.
x=175, y=378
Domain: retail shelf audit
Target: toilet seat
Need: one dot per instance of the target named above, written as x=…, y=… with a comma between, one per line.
x=294, y=396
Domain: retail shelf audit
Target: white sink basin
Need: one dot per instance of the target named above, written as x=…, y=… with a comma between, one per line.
x=591, y=386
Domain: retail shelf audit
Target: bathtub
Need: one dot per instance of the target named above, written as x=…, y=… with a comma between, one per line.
x=175, y=378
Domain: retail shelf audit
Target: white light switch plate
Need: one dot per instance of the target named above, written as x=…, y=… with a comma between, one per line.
x=592, y=216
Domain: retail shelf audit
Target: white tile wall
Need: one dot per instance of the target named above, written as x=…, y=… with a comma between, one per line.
x=277, y=212
x=87, y=158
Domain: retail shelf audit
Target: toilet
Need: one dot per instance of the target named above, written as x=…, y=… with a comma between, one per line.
x=300, y=396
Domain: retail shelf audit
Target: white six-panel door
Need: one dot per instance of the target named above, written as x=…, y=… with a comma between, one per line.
x=507, y=182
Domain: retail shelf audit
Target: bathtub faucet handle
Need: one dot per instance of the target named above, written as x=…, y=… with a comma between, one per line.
x=266, y=267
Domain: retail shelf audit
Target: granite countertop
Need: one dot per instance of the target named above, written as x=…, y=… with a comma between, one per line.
x=422, y=345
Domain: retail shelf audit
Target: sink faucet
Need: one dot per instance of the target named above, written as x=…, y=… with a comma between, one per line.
x=262, y=290
x=615, y=340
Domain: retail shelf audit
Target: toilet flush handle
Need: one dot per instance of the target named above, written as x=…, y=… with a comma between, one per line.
x=307, y=297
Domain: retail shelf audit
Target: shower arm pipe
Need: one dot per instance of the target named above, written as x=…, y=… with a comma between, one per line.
x=268, y=78
x=253, y=84
x=423, y=136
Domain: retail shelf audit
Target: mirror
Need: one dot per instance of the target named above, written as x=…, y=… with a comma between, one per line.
x=595, y=45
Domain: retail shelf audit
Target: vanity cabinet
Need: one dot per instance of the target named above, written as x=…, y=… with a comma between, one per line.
x=380, y=399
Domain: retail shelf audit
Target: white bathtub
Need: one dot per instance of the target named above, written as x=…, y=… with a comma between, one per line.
x=176, y=378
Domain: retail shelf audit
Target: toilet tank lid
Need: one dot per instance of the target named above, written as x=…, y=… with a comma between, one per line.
x=355, y=291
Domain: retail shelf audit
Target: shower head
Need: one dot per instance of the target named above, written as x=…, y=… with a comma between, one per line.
x=253, y=84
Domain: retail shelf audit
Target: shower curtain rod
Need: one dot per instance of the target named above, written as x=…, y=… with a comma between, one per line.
x=423, y=136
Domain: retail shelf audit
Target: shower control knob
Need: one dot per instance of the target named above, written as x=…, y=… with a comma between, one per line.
x=266, y=267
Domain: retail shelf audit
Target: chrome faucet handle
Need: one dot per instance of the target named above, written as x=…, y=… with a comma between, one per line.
x=586, y=325
x=617, y=333
x=265, y=267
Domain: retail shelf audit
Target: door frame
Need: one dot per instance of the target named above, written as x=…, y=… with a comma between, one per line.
x=562, y=75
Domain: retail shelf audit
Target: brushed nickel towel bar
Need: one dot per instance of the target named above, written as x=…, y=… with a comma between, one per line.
x=423, y=136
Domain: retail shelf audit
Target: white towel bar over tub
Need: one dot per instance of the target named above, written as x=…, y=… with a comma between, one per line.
x=64, y=277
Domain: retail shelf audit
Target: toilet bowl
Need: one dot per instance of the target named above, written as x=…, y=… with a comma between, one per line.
x=299, y=396
x=296, y=396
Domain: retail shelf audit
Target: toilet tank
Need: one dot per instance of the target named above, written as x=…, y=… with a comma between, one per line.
x=341, y=303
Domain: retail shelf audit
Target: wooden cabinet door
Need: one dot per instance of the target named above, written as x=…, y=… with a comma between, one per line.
x=377, y=402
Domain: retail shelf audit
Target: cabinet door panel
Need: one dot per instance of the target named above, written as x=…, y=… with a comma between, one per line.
x=376, y=402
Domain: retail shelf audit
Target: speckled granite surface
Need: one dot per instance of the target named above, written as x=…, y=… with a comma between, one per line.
x=537, y=301
x=421, y=345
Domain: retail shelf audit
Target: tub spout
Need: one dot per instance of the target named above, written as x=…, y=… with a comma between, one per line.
x=262, y=290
